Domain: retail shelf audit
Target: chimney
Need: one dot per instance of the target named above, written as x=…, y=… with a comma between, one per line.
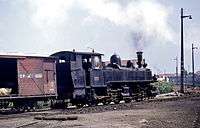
x=139, y=57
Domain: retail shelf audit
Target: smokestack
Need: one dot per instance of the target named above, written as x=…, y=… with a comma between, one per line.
x=139, y=57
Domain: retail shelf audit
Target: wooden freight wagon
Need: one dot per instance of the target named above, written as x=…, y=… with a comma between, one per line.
x=24, y=80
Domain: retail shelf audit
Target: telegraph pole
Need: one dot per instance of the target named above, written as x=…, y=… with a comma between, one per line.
x=182, y=51
x=193, y=64
x=176, y=59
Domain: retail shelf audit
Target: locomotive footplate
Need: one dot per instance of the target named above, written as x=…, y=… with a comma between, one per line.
x=131, y=81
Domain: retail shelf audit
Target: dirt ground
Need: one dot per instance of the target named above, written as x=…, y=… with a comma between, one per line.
x=184, y=113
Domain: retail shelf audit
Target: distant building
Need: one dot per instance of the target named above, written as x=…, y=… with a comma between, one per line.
x=188, y=80
x=165, y=77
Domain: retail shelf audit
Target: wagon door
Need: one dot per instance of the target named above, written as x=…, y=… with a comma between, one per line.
x=30, y=76
x=49, y=77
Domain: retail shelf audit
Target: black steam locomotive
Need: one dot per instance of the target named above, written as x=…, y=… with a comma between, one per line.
x=83, y=78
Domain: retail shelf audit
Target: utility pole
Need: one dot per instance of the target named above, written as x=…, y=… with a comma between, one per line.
x=193, y=64
x=182, y=51
x=176, y=59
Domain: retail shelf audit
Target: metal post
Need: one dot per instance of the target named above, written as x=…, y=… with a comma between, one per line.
x=176, y=70
x=193, y=65
x=182, y=51
x=182, y=55
x=193, y=80
x=176, y=59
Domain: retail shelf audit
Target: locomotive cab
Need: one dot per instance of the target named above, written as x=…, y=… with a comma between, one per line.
x=74, y=71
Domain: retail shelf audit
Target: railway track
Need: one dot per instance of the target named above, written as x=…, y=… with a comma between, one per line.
x=7, y=114
x=27, y=119
x=94, y=109
x=196, y=123
x=124, y=106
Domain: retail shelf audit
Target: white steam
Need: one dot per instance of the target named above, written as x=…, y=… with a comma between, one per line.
x=146, y=19
x=48, y=13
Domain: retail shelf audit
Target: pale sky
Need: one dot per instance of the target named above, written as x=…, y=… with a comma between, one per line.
x=109, y=26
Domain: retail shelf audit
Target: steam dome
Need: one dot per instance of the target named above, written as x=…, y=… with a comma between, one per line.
x=115, y=59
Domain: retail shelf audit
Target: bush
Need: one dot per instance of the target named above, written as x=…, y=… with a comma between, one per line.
x=164, y=87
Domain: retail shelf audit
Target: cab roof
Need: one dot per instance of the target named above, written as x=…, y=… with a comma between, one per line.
x=77, y=53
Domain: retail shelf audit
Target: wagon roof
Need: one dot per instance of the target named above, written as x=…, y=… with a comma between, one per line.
x=17, y=56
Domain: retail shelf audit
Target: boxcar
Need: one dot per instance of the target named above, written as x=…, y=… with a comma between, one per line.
x=24, y=80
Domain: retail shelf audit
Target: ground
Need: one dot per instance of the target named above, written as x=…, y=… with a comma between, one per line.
x=179, y=113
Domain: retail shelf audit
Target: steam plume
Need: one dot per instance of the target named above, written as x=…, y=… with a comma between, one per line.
x=145, y=19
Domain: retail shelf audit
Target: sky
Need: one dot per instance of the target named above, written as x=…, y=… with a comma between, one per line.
x=107, y=26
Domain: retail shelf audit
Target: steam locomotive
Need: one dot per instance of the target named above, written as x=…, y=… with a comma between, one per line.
x=84, y=79
x=76, y=77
